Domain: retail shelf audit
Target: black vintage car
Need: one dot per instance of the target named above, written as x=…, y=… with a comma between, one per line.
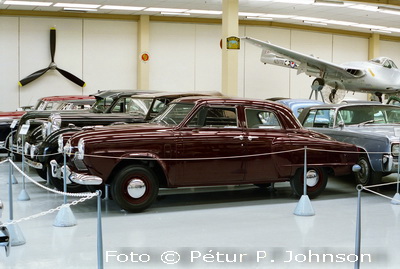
x=137, y=108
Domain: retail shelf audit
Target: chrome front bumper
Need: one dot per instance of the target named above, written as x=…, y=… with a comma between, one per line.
x=34, y=164
x=83, y=179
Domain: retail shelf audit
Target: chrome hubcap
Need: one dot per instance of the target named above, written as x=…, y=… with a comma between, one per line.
x=136, y=188
x=312, y=178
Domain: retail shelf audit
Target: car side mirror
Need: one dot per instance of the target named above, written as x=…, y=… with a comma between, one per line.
x=4, y=234
x=341, y=125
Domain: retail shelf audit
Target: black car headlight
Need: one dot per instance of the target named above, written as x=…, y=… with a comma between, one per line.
x=60, y=142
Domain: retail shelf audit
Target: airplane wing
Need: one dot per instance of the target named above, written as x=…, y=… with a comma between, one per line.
x=304, y=63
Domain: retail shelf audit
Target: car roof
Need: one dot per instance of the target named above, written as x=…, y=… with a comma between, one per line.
x=118, y=93
x=289, y=102
x=66, y=97
x=175, y=94
x=226, y=99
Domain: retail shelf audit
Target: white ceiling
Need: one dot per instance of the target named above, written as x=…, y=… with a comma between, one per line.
x=362, y=20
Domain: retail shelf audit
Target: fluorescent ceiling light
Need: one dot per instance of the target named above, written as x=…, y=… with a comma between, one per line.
x=392, y=29
x=364, y=7
x=121, y=7
x=314, y=22
x=330, y=3
x=250, y=14
x=197, y=11
x=307, y=19
x=278, y=16
x=259, y=18
x=175, y=13
x=360, y=25
x=381, y=31
x=79, y=9
x=157, y=9
x=70, y=5
x=344, y=23
x=303, y=2
x=393, y=11
x=28, y=3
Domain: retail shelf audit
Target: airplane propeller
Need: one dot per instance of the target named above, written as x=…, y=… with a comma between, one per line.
x=52, y=66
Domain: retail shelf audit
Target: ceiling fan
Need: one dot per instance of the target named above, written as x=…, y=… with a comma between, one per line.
x=52, y=66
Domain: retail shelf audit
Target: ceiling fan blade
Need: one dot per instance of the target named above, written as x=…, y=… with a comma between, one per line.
x=71, y=77
x=52, y=43
x=32, y=76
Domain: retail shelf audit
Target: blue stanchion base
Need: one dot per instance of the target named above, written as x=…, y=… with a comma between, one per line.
x=304, y=207
x=65, y=218
x=23, y=196
x=13, y=180
x=396, y=199
x=16, y=236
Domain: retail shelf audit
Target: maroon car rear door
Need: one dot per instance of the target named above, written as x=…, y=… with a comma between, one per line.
x=211, y=147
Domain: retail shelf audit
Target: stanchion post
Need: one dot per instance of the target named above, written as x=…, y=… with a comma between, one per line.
x=304, y=207
x=13, y=179
x=65, y=176
x=358, y=228
x=100, y=263
x=65, y=217
x=16, y=236
x=23, y=195
x=396, y=197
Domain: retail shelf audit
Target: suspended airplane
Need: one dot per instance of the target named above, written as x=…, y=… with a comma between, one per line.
x=52, y=66
x=377, y=76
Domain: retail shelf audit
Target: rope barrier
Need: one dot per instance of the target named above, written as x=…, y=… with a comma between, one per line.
x=44, y=213
x=84, y=194
x=377, y=193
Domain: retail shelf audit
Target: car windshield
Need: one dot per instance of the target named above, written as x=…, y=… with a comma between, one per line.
x=369, y=115
x=48, y=105
x=139, y=106
x=173, y=114
x=101, y=104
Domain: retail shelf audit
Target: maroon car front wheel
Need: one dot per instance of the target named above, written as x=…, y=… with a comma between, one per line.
x=135, y=188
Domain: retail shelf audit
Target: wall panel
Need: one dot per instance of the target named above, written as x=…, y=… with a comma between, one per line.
x=264, y=81
x=9, y=63
x=172, y=56
x=208, y=64
x=109, y=55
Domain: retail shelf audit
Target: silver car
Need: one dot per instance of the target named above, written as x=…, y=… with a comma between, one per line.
x=373, y=127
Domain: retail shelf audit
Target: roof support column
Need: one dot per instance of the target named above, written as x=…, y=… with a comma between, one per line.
x=230, y=27
x=143, y=48
x=373, y=52
x=373, y=48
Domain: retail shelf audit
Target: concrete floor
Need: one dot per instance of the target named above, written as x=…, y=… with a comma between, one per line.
x=225, y=227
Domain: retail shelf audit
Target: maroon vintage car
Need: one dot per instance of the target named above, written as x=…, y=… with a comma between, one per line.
x=200, y=141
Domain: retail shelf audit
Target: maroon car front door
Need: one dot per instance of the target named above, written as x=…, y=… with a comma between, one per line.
x=211, y=147
x=266, y=141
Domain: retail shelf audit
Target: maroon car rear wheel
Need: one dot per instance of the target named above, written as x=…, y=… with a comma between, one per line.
x=135, y=188
x=316, y=181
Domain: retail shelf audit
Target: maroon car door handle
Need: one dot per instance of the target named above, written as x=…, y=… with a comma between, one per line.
x=240, y=137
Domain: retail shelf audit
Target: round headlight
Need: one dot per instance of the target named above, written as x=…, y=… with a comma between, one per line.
x=81, y=149
x=60, y=142
x=55, y=122
x=395, y=149
x=68, y=148
x=27, y=148
x=44, y=129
